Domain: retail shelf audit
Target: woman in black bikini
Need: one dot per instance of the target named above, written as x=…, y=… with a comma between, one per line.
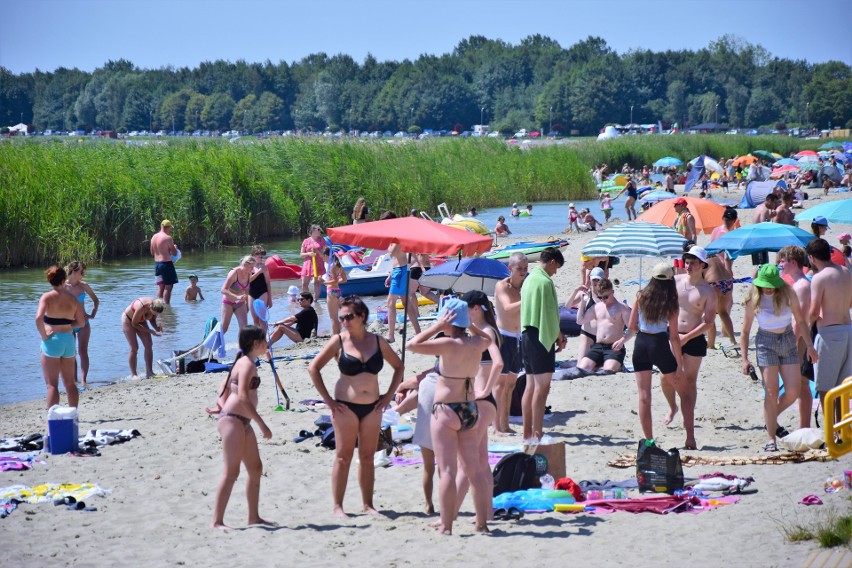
x=455, y=436
x=238, y=399
x=356, y=408
x=260, y=285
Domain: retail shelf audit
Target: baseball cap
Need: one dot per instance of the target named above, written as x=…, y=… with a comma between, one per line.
x=459, y=308
x=820, y=221
x=570, y=206
x=477, y=298
x=698, y=253
x=680, y=201
x=514, y=204
x=662, y=271
x=597, y=273
x=844, y=237
x=193, y=276
x=166, y=223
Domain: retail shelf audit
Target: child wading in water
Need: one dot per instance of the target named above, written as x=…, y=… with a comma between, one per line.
x=238, y=403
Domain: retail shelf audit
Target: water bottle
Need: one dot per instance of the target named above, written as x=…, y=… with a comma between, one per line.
x=752, y=373
x=547, y=481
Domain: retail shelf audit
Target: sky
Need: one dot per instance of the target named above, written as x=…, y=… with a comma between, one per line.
x=183, y=33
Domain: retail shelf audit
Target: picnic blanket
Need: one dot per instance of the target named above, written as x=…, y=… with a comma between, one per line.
x=629, y=460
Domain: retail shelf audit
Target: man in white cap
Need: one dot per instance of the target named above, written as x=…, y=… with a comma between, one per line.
x=697, y=303
x=515, y=212
x=586, y=296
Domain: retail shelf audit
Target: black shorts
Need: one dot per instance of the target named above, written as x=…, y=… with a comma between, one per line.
x=167, y=271
x=537, y=360
x=696, y=347
x=415, y=272
x=510, y=351
x=600, y=352
x=653, y=349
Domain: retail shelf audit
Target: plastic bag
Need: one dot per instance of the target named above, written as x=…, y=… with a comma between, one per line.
x=658, y=470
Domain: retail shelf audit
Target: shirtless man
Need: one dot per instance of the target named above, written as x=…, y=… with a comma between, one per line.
x=831, y=301
x=784, y=213
x=792, y=260
x=697, y=312
x=766, y=210
x=612, y=318
x=396, y=282
x=163, y=249
x=507, y=308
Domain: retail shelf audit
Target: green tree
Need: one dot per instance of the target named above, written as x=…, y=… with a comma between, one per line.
x=174, y=105
x=268, y=112
x=243, y=114
x=763, y=108
x=217, y=111
x=194, y=108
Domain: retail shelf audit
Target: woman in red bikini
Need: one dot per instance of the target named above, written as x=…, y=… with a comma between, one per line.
x=239, y=442
x=235, y=294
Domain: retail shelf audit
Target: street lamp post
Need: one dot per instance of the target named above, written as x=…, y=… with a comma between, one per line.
x=807, y=114
x=197, y=123
x=173, y=125
x=717, y=113
x=550, y=121
x=350, y=123
x=410, y=117
x=151, y=121
x=631, y=116
x=481, y=119
x=245, y=128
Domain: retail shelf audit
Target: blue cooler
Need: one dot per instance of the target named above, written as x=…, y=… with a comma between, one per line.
x=62, y=429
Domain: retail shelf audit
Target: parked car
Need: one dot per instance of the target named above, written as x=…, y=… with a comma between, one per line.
x=522, y=133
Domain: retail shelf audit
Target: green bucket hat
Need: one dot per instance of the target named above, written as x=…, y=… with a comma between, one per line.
x=767, y=277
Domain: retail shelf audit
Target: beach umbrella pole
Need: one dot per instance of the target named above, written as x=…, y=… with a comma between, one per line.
x=405, y=309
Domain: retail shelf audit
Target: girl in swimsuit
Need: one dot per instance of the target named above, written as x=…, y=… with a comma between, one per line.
x=260, y=283
x=455, y=436
x=58, y=312
x=482, y=322
x=239, y=442
x=135, y=320
x=357, y=406
x=76, y=270
x=235, y=294
x=333, y=279
x=313, y=266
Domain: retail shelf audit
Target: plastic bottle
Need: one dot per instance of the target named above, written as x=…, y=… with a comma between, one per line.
x=547, y=481
x=752, y=373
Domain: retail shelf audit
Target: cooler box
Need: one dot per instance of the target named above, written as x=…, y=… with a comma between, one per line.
x=62, y=429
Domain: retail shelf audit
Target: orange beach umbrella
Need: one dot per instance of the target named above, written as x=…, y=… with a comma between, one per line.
x=743, y=161
x=707, y=214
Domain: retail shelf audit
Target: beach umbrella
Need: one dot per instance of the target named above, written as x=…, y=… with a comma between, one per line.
x=765, y=155
x=709, y=163
x=655, y=196
x=778, y=172
x=466, y=274
x=834, y=211
x=413, y=235
x=743, y=161
x=809, y=165
x=786, y=162
x=831, y=145
x=806, y=153
x=707, y=214
x=759, y=237
x=636, y=240
x=667, y=162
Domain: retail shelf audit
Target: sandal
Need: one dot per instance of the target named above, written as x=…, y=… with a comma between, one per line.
x=781, y=432
x=770, y=447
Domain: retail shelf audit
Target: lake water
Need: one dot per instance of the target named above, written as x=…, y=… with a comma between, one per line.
x=118, y=281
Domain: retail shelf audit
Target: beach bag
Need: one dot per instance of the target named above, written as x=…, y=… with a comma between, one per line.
x=658, y=470
x=515, y=472
x=327, y=441
x=517, y=395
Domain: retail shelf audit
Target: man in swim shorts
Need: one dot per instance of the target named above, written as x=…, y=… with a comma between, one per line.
x=163, y=249
x=397, y=282
x=540, y=339
x=831, y=301
x=612, y=317
x=507, y=308
x=697, y=303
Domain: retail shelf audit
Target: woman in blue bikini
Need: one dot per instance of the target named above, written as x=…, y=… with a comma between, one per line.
x=456, y=436
x=58, y=313
x=75, y=284
x=357, y=405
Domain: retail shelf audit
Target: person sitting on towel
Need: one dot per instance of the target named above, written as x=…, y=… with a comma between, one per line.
x=611, y=316
x=300, y=326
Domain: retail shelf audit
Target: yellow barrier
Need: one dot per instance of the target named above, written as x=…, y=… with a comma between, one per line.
x=843, y=429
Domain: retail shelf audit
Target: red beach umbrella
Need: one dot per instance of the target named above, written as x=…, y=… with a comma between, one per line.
x=414, y=235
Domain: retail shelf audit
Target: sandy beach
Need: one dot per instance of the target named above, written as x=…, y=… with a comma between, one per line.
x=162, y=484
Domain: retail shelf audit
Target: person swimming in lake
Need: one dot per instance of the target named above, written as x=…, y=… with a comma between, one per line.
x=502, y=229
x=193, y=292
x=515, y=212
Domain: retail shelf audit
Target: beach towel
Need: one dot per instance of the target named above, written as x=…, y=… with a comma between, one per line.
x=101, y=438
x=48, y=492
x=627, y=460
x=29, y=443
x=661, y=504
x=539, y=306
x=18, y=461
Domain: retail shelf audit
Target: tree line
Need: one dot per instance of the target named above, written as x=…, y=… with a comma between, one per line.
x=536, y=84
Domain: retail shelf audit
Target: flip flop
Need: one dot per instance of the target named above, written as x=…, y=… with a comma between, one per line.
x=514, y=514
x=500, y=514
x=80, y=506
x=303, y=435
x=810, y=500
x=68, y=500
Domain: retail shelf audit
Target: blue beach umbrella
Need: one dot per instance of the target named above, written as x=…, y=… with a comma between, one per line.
x=761, y=237
x=656, y=196
x=834, y=211
x=667, y=162
x=466, y=274
x=787, y=162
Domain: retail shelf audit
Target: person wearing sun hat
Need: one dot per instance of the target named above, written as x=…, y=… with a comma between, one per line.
x=697, y=312
x=456, y=432
x=654, y=320
x=774, y=305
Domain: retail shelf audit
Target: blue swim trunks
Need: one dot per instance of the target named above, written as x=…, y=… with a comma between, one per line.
x=167, y=271
x=59, y=346
x=399, y=278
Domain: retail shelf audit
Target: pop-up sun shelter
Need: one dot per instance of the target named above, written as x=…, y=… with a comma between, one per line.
x=756, y=192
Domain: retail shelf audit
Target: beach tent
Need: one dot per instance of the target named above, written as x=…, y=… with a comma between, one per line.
x=694, y=174
x=756, y=192
x=758, y=173
x=831, y=173
x=608, y=132
x=20, y=128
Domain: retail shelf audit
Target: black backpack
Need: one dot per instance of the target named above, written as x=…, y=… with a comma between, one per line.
x=515, y=472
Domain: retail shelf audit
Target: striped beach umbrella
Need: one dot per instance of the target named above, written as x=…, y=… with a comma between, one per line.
x=636, y=240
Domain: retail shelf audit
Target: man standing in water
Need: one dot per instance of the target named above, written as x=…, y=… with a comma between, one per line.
x=163, y=249
x=697, y=303
x=507, y=308
x=540, y=339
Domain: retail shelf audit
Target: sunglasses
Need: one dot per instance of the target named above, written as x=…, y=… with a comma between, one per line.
x=347, y=317
x=605, y=298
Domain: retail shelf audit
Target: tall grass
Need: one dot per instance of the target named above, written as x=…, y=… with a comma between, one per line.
x=95, y=199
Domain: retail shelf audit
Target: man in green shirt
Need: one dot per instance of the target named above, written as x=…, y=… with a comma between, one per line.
x=540, y=338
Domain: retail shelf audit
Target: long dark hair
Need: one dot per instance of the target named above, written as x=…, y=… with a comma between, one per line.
x=249, y=335
x=657, y=301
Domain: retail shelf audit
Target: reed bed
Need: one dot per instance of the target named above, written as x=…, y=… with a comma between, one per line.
x=95, y=199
